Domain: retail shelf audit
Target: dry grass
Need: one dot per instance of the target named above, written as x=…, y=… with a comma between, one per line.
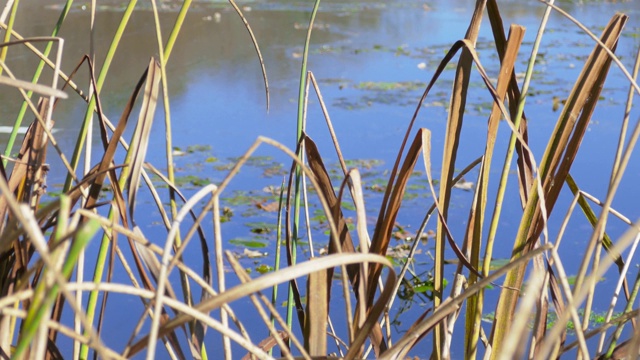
x=42, y=257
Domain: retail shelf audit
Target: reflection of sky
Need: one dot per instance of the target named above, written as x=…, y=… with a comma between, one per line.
x=217, y=97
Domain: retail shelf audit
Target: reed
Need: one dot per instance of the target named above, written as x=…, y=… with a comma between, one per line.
x=43, y=264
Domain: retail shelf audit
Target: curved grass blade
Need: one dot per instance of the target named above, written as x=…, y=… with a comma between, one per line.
x=409, y=339
x=257, y=48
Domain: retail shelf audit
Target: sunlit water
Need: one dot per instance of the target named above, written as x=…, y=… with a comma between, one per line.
x=359, y=50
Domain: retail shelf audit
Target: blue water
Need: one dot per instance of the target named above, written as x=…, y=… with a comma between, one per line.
x=218, y=103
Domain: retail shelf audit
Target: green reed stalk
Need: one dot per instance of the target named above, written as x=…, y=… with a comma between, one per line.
x=276, y=265
x=182, y=14
x=300, y=128
x=36, y=77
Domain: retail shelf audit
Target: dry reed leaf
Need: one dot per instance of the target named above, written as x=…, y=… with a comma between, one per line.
x=109, y=152
x=315, y=330
x=29, y=86
x=318, y=169
x=140, y=140
x=346, y=243
x=28, y=174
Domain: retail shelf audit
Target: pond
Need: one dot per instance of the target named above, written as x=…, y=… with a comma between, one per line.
x=372, y=60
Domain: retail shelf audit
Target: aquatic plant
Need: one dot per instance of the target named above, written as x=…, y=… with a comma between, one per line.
x=42, y=244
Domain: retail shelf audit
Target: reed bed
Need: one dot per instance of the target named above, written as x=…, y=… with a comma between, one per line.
x=43, y=265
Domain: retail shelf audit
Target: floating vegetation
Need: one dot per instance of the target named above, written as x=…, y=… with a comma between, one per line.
x=388, y=86
x=248, y=243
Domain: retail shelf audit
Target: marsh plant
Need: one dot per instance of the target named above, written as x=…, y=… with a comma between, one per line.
x=55, y=296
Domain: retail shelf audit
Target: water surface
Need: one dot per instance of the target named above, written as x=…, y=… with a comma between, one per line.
x=372, y=60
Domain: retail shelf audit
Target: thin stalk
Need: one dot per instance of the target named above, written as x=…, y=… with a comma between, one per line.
x=168, y=133
x=274, y=291
x=80, y=269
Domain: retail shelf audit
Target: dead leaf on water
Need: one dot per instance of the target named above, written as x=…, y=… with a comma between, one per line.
x=464, y=185
x=268, y=207
x=252, y=254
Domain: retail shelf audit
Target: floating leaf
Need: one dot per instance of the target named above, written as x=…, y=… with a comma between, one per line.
x=248, y=243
